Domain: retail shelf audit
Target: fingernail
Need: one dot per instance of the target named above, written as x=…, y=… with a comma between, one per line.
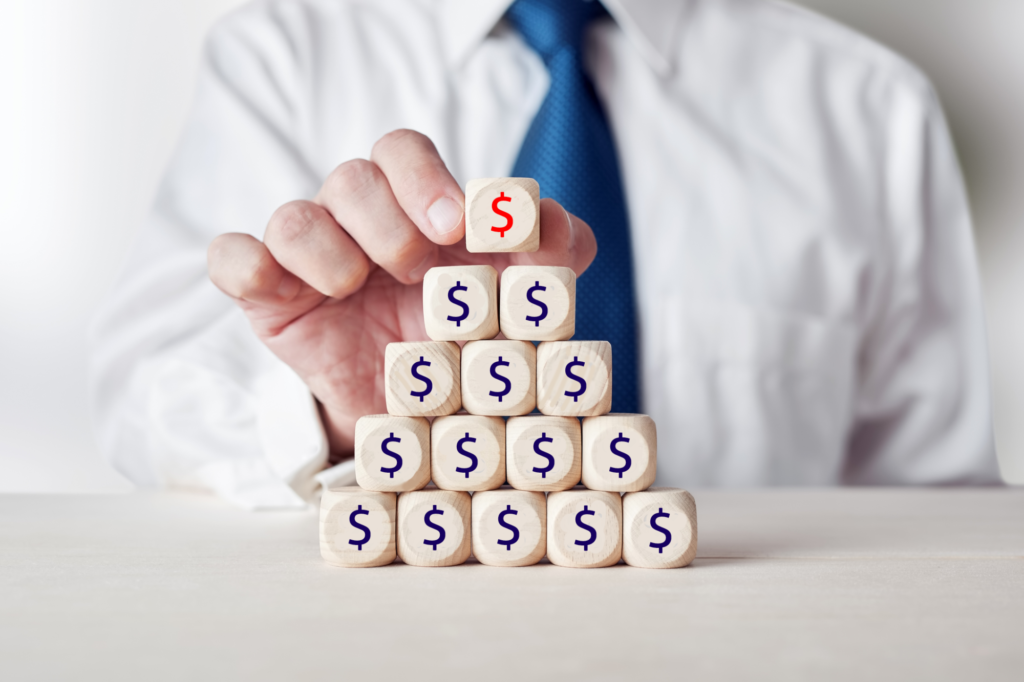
x=572, y=230
x=416, y=274
x=444, y=215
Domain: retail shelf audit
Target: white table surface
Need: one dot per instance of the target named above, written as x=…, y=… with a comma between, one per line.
x=788, y=584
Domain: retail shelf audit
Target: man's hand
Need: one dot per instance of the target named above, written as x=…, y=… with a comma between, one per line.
x=338, y=278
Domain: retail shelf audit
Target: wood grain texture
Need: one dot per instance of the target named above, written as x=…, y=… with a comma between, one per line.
x=558, y=394
x=342, y=542
x=482, y=437
x=633, y=435
x=476, y=287
x=493, y=542
x=558, y=437
x=523, y=205
x=404, y=393
x=417, y=540
x=671, y=509
x=482, y=392
x=565, y=531
x=407, y=437
x=554, y=287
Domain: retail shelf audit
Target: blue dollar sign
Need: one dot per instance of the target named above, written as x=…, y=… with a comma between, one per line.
x=457, y=319
x=387, y=451
x=439, y=529
x=508, y=384
x=543, y=308
x=515, y=531
x=416, y=375
x=579, y=522
x=458, y=446
x=575, y=395
x=615, y=451
x=543, y=471
x=654, y=524
x=355, y=524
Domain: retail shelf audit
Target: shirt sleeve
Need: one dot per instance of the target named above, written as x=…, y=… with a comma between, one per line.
x=183, y=393
x=922, y=411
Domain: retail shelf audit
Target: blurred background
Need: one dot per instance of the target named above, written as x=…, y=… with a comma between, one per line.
x=94, y=93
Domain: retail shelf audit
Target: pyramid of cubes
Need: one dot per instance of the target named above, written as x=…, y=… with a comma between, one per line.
x=504, y=448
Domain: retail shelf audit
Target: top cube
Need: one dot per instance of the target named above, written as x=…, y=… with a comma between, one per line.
x=502, y=215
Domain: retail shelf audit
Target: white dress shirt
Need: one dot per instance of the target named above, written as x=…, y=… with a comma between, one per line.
x=808, y=297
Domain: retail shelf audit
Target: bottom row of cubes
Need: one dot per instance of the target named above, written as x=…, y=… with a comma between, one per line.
x=578, y=528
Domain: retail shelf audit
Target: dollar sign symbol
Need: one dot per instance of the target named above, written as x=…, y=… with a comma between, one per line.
x=543, y=471
x=416, y=375
x=387, y=451
x=506, y=216
x=654, y=524
x=543, y=308
x=620, y=453
x=458, y=446
x=575, y=395
x=439, y=529
x=457, y=319
x=508, y=384
x=515, y=531
x=355, y=524
x=579, y=522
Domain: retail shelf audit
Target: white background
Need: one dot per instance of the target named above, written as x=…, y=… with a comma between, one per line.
x=93, y=96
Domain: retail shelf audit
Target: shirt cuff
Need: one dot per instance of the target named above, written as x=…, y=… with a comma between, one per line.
x=228, y=416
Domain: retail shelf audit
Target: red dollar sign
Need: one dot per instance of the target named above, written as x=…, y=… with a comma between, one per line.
x=508, y=218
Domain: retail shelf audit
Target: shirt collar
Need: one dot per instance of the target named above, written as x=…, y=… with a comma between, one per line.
x=650, y=25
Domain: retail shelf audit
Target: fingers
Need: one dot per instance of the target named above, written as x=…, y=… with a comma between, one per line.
x=565, y=240
x=306, y=241
x=243, y=268
x=399, y=205
x=359, y=198
x=422, y=185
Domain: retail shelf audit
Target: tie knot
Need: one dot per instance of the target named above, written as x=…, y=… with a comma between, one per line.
x=547, y=26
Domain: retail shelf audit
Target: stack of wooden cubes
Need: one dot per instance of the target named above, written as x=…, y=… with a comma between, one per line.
x=522, y=468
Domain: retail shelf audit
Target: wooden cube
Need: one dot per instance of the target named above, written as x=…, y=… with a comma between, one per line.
x=620, y=452
x=357, y=527
x=434, y=527
x=584, y=528
x=421, y=379
x=509, y=527
x=659, y=528
x=392, y=453
x=467, y=452
x=538, y=303
x=499, y=378
x=460, y=303
x=574, y=378
x=502, y=215
x=543, y=453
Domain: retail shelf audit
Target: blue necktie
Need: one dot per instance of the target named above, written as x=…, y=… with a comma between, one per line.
x=570, y=151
